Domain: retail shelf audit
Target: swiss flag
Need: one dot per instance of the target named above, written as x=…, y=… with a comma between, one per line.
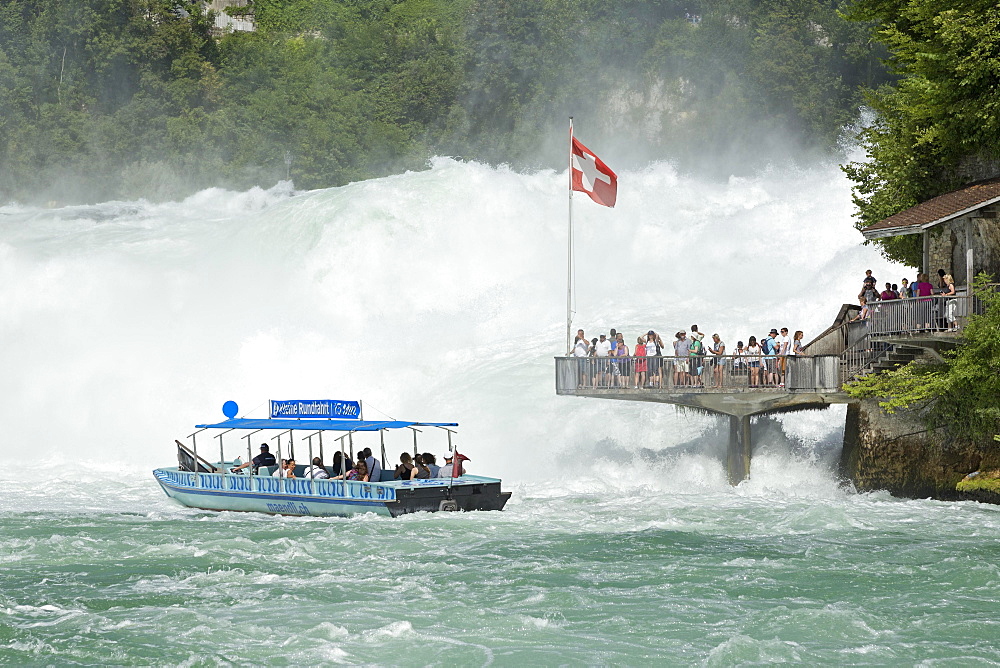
x=592, y=176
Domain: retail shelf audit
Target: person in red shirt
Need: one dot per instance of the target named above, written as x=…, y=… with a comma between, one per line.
x=640, y=364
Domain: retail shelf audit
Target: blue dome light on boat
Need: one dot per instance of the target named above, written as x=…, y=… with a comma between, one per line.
x=230, y=409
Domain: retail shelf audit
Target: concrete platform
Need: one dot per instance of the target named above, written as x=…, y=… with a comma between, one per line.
x=737, y=403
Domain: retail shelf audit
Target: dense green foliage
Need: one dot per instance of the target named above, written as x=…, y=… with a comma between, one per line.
x=124, y=98
x=962, y=395
x=940, y=119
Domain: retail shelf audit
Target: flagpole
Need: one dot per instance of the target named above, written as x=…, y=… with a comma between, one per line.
x=569, y=250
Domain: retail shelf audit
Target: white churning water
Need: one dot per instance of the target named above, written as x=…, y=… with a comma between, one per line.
x=437, y=295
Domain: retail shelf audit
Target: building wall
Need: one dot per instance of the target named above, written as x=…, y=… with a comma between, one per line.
x=947, y=246
x=224, y=22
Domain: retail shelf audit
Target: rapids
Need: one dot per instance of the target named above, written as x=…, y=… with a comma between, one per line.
x=440, y=295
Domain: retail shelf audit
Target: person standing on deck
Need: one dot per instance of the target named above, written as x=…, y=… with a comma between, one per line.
x=602, y=351
x=923, y=291
x=581, y=350
x=696, y=361
x=869, y=292
x=624, y=366
x=770, y=366
x=640, y=363
x=682, y=351
x=718, y=349
x=798, y=348
x=654, y=351
x=753, y=360
x=784, y=345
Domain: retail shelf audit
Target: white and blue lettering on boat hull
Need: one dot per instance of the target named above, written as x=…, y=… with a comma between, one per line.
x=326, y=498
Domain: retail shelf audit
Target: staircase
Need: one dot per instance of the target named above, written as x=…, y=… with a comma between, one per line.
x=895, y=358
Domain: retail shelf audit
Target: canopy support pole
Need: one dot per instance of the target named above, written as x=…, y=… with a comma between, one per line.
x=281, y=471
x=312, y=471
x=249, y=458
x=381, y=437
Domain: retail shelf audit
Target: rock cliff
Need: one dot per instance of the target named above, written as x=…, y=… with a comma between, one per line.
x=896, y=453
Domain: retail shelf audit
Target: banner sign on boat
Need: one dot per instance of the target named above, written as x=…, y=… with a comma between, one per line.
x=316, y=408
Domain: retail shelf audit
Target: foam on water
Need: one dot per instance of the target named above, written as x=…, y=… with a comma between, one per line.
x=436, y=295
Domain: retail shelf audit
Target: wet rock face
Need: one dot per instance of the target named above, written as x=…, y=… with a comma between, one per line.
x=897, y=454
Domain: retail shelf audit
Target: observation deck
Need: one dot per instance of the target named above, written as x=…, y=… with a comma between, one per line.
x=740, y=387
x=725, y=385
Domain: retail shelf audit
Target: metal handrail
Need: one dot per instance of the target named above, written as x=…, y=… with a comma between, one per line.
x=863, y=344
x=702, y=373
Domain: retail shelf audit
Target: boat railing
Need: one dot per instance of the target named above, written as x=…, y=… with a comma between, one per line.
x=243, y=482
x=703, y=373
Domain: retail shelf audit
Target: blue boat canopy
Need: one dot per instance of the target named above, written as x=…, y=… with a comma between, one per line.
x=321, y=425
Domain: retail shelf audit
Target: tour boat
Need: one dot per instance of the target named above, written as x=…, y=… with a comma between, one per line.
x=198, y=483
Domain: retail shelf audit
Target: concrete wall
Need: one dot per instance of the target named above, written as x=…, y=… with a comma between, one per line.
x=224, y=22
x=831, y=341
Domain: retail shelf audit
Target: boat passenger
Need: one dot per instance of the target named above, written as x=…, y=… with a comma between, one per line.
x=339, y=466
x=359, y=473
x=287, y=469
x=265, y=458
x=448, y=468
x=431, y=463
x=374, y=465
x=316, y=471
x=420, y=469
x=405, y=469
x=278, y=472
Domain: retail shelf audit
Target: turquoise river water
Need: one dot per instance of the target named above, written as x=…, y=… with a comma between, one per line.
x=582, y=574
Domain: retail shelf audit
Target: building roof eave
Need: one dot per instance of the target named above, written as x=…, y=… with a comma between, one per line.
x=910, y=222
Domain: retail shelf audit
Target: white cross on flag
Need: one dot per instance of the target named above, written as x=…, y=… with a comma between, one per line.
x=592, y=176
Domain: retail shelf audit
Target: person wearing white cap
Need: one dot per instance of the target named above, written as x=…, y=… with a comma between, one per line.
x=448, y=468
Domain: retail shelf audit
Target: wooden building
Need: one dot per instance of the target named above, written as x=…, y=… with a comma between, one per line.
x=960, y=230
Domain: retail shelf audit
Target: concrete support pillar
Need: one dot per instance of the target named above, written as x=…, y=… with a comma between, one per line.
x=740, y=447
x=852, y=442
x=970, y=272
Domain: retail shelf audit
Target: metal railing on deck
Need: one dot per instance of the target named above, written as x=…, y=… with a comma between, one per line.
x=862, y=344
x=719, y=373
x=921, y=314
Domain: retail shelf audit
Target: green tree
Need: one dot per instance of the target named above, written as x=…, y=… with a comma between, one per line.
x=942, y=114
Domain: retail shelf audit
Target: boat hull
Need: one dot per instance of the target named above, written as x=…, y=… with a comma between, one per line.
x=328, y=498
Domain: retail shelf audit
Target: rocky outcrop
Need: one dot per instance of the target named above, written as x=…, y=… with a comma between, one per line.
x=898, y=454
x=983, y=486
